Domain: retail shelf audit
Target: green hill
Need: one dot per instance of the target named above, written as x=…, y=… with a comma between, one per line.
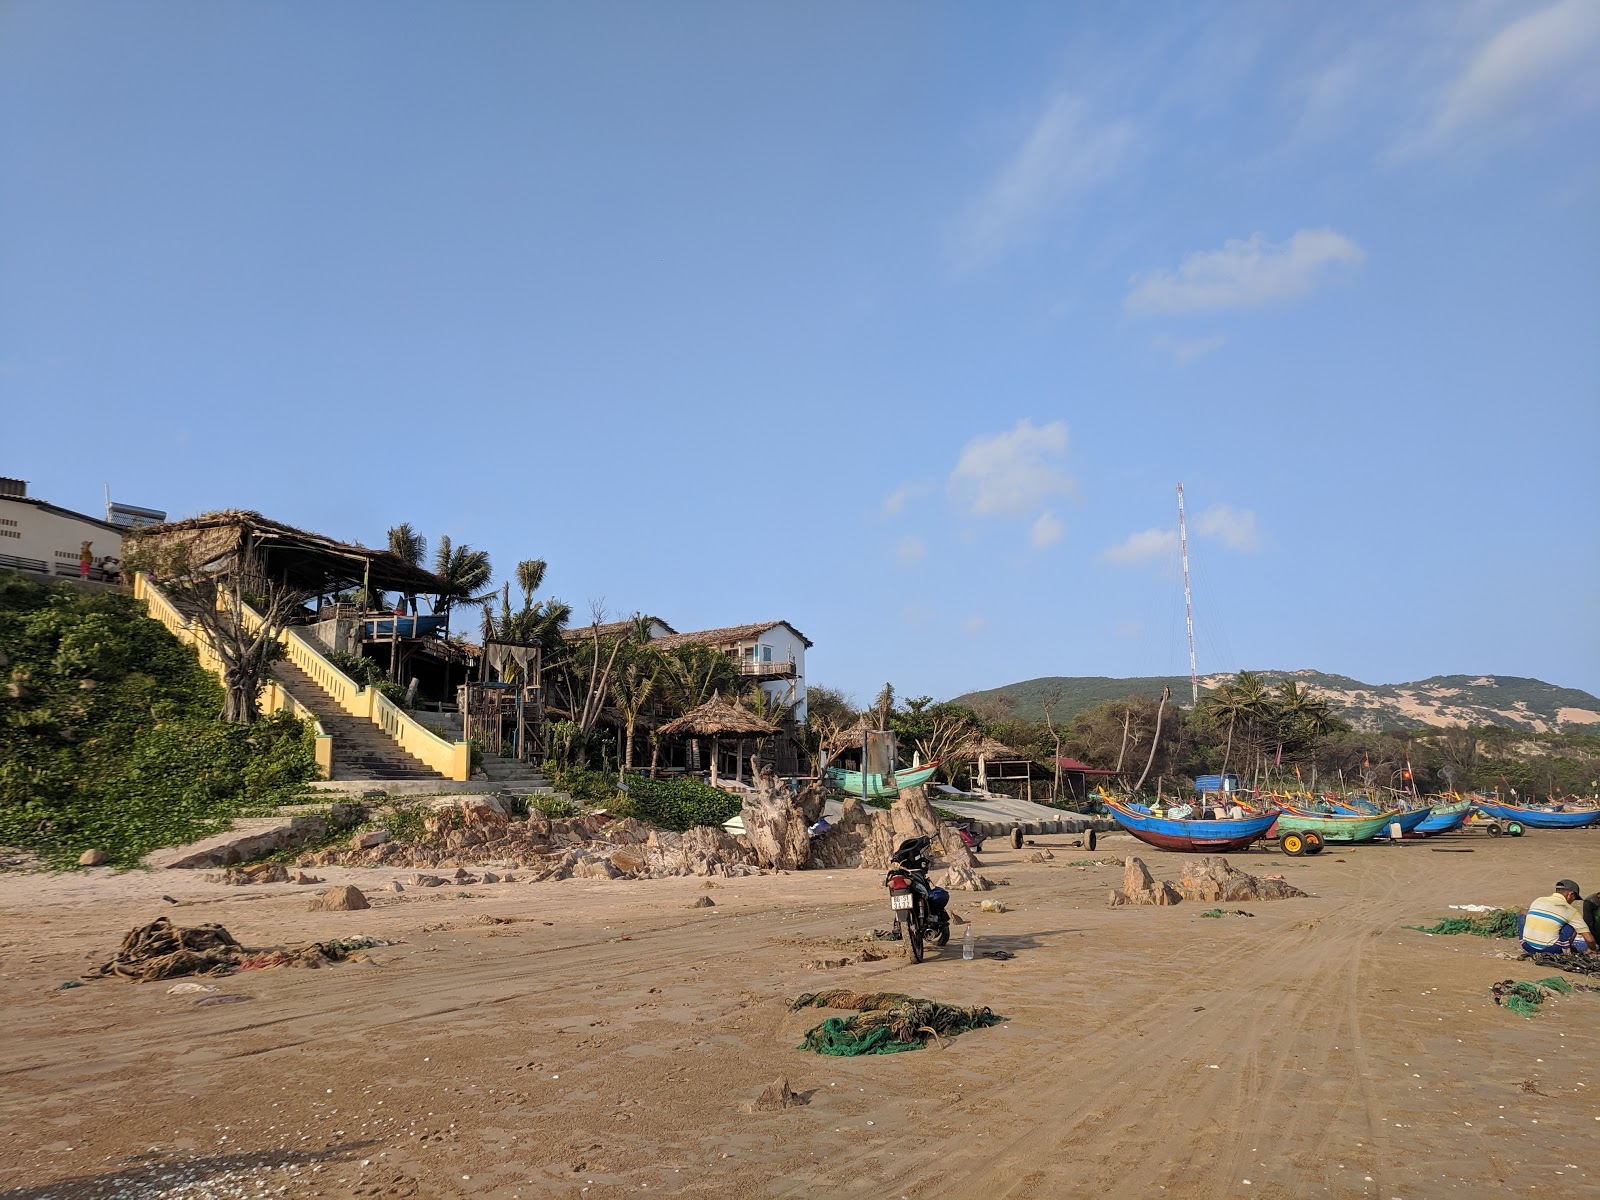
x=1440, y=701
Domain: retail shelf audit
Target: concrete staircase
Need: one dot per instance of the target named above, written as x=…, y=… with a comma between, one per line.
x=361, y=750
x=513, y=778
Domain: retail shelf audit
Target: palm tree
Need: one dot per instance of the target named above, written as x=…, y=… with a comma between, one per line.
x=634, y=682
x=407, y=544
x=1243, y=700
x=463, y=572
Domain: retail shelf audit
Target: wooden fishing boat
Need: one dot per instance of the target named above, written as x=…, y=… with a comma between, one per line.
x=1409, y=819
x=1334, y=828
x=1443, y=818
x=877, y=788
x=1539, y=818
x=1165, y=833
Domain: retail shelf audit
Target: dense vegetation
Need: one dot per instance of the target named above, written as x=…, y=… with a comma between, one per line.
x=109, y=731
x=1472, y=700
x=1284, y=736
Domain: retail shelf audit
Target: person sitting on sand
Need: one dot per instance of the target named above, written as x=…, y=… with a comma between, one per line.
x=1553, y=926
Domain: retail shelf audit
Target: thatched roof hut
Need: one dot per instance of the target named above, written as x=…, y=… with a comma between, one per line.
x=307, y=562
x=717, y=719
x=984, y=746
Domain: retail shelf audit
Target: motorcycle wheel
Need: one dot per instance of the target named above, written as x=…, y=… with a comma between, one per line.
x=913, y=937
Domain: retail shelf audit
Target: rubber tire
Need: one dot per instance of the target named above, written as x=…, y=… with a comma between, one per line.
x=913, y=939
x=1495, y=830
x=1313, y=841
x=1089, y=841
x=1515, y=829
x=1293, y=844
x=1016, y=838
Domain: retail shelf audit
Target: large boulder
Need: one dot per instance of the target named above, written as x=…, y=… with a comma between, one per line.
x=1140, y=887
x=340, y=899
x=963, y=873
x=774, y=825
x=1213, y=879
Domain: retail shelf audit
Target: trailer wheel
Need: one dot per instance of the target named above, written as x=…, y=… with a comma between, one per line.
x=1089, y=841
x=1016, y=838
x=1494, y=829
x=1514, y=828
x=1313, y=842
x=1293, y=844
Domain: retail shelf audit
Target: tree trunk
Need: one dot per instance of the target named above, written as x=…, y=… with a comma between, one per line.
x=1127, y=715
x=627, y=753
x=1155, y=740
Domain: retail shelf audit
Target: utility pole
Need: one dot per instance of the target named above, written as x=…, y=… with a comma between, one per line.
x=1188, y=602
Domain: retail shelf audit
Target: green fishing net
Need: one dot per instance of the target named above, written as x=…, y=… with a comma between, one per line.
x=885, y=1022
x=1524, y=997
x=1500, y=923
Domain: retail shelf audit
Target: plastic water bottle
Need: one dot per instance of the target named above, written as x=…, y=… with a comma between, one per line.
x=967, y=942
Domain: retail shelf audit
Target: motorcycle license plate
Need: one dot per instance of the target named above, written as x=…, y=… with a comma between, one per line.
x=900, y=901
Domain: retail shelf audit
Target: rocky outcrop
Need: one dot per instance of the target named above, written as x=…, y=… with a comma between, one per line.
x=775, y=825
x=340, y=899
x=1140, y=887
x=1212, y=879
x=963, y=873
x=478, y=832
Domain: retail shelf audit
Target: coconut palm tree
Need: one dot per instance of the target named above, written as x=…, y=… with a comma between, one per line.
x=463, y=572
x=635, y=681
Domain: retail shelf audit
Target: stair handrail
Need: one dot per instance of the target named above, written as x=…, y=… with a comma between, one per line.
x=453, y=760
x=275, y=697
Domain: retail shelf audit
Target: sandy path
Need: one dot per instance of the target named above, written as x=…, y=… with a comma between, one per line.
x=1316, y=1048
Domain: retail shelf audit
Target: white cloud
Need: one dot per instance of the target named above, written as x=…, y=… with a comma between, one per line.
x=911, y=550
x=975, y=625
x=1235, y=528
x=1147, y=546
x=1530, y=71
x=1015, y=471
x=1243, y=274
x=1063, y=154
x=1046, y=530
x=895, y=502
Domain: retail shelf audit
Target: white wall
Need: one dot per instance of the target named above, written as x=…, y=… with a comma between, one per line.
x=28, y=531
x=785, y=643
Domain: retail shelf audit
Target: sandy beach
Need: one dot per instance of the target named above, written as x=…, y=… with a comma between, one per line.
x=599, y=1039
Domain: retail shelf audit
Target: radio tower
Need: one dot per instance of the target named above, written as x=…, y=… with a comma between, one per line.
x=1188, y=602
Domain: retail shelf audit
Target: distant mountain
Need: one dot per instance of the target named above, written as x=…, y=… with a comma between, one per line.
x=1437, y=702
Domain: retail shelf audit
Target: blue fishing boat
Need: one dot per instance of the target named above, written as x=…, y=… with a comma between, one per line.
x=1540, y=818
x=1444, y=818
x=1165, y=833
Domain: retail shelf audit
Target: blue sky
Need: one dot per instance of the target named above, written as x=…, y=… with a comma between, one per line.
x=900, y=321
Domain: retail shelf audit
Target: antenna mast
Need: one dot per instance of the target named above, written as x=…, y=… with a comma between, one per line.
x=1188, y=602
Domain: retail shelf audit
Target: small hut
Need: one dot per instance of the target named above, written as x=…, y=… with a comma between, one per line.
x=717, y=719
x=984, y=750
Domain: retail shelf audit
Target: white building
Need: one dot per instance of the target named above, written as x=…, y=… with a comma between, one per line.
x=39, y=537
x=772, y=653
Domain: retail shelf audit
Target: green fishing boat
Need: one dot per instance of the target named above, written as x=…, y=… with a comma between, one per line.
x=1334, y=828
x=877, y=787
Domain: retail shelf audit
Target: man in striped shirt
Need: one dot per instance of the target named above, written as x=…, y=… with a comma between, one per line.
x=1552, y=925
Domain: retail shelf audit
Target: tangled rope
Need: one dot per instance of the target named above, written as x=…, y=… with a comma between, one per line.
x=161, y=950
x=1572, y=964
x=886, y=1022
x=1525, y=998
x=1500, y=923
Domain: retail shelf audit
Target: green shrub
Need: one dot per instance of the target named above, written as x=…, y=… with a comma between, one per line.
x=364, y=671
x=392, y=692
x=109, y=734
x=553, y=806
x=585, y=786
x=679, y=803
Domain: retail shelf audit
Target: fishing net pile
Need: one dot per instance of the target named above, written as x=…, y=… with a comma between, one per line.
x=885, y=1022
x=1498, y=923
x=1572, y=964
x=1525, y=998
x=162, y=950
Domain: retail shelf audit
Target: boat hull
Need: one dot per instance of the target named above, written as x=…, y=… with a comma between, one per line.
x=1445, y=819
x=1212, y=837
x=1535, y=818
x=1335, y=829
x=850, y=781
x=1410, y=820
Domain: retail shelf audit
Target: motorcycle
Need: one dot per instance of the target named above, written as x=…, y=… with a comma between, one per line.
x=918, y=908
x=969, y=838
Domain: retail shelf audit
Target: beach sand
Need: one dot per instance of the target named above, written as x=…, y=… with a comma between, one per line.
x=607, y=1039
